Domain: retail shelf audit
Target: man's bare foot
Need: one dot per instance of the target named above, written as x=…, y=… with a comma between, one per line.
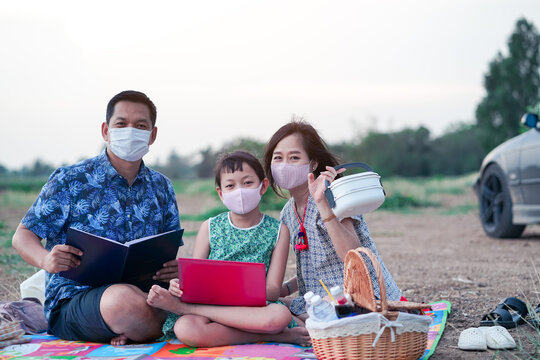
x=162, y=299
x=298, y=335
x=119, y=340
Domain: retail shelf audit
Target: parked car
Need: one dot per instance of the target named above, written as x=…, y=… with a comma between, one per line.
x=508, y=187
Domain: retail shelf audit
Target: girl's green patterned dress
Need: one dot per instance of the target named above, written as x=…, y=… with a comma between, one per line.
x=228, y=242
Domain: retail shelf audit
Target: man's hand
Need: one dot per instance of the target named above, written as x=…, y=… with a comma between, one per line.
x=168, y=272
x=61, y=258
x=174, y=288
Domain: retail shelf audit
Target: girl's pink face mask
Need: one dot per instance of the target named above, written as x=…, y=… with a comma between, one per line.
x=242, y=200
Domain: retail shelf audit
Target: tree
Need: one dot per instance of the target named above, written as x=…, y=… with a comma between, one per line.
x=205, y=169
x=512, y=84
x=456, y=152
x=403, y=153
x=246, y=144
x=38, y=168
x=176, y=167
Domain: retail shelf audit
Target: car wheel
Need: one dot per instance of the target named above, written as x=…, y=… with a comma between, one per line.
x=496, y=205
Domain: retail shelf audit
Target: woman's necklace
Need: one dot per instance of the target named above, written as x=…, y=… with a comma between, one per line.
x=302, y=243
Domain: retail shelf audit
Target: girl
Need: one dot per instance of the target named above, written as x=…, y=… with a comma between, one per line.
x=242, y=234
x=297, y=159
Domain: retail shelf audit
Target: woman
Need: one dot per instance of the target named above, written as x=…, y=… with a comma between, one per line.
x=297, y=159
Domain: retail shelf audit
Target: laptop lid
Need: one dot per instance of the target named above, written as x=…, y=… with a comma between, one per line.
x=221, y=282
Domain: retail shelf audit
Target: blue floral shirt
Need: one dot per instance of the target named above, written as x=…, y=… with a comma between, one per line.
x=92, y=196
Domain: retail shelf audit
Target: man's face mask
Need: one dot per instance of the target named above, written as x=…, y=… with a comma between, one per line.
x=128, y=143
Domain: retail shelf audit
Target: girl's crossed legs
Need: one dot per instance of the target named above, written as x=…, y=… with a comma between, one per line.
x=210, y=325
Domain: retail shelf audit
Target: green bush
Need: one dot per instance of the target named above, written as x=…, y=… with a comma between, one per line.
x=191, y=187
x=399, y=201
x=5, y=236
x=205, y=215
x=23, y=184
x=271, y=202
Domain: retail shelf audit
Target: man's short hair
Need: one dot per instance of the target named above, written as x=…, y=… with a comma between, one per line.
x=231, y=162
x=132, y=96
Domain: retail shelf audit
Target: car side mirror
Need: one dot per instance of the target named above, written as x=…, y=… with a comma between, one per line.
x=530, y=120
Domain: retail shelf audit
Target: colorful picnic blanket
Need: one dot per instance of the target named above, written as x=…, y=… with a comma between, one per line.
x=50, y=347
x=439, y=312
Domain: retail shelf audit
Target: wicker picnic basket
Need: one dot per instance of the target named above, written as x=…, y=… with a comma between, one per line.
x=383, y=333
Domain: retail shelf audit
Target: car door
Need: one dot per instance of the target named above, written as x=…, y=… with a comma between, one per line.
x=530, y=172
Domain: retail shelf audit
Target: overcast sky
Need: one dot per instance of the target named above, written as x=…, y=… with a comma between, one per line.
x=219, y=70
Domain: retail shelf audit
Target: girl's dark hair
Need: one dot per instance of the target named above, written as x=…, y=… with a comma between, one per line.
x=231, y=162
x=314, y=145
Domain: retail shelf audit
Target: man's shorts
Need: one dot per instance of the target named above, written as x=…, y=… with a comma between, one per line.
x=79, y=318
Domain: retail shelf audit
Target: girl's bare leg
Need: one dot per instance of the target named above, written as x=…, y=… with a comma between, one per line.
x=199, y=331
x=270, y=319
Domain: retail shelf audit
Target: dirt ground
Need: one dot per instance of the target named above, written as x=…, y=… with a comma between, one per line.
x=432, y=256
x=436, y=257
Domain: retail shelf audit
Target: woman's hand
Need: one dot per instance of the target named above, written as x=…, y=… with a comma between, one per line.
x=342, y=233
x=174, y=288
x=317, y=186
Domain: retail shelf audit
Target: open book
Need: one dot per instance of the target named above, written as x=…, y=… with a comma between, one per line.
x=106, y=261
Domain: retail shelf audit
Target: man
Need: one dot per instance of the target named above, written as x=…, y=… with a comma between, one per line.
x=113, y=195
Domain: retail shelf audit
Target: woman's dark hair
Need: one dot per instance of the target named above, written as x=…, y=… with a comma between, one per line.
x=231, y=162
x=132, y=96
x=314, y=145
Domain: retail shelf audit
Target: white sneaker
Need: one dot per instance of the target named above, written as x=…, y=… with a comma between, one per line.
x=472, y=339
x=498, y=337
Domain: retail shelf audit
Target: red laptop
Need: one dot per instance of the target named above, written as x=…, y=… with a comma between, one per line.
x=220, y=282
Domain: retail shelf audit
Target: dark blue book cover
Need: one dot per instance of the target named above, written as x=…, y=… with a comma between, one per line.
x=106, y=261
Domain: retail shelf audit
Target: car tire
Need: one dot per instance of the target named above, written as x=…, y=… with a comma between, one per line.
x=495, y=205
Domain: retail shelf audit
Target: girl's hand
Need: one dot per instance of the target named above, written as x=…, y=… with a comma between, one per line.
x=174, y=288
x=317, y=186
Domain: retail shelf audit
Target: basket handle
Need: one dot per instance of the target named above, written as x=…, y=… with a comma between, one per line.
x=328, y=192
x=378, y=272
